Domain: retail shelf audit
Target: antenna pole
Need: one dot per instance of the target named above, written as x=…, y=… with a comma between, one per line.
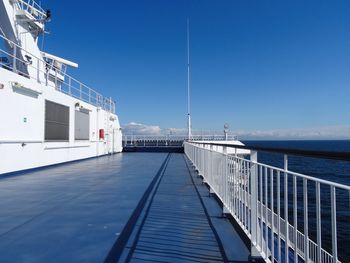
x=188, y=82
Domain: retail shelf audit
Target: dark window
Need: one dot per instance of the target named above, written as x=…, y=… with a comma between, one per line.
x=82, y=125
x=56, y=122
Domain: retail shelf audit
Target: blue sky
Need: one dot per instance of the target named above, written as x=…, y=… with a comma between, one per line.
x=257, y=65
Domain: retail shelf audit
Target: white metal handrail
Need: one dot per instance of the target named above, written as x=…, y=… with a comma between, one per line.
x=251, y=193
x=177, y=137
x=169, y=140
x=33, y=8
x=44, y=76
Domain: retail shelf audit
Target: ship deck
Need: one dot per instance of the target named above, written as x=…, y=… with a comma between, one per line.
x=131, y=207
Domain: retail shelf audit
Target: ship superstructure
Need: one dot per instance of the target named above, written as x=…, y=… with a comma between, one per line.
x=47, y=116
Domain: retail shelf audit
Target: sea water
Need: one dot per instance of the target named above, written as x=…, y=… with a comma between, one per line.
x=332, y=170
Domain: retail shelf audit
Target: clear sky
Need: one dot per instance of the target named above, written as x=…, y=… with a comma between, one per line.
x=256, y=64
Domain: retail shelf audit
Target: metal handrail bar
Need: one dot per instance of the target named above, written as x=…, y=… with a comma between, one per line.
x=23, y=141
x=282, y=234
x=105, y=103
x=340, y=156
x=9, y=54
x=34, y=5
x=315, y=179
x=247, y=190
x=18, y=46
x=98, y=95
x=178, y=136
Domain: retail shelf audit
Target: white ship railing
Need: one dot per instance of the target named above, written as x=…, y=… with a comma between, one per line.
x=143, y=140
x=251, y=192
x=50, y=76
x=32, y=8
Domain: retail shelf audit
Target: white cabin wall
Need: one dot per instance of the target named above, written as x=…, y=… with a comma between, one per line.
x=118, y=144
x=35, y=152
x=21, y=116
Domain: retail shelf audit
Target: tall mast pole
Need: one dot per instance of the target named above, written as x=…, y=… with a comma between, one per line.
x=188, y=82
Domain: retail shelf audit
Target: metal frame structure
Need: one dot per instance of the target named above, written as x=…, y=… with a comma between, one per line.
x=261, y=199
x=32, y=8
x=60, y=80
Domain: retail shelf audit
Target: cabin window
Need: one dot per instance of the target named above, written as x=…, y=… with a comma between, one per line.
x=82, y=124
x=56, y=121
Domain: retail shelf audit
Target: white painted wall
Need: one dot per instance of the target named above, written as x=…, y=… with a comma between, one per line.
x=22, y=120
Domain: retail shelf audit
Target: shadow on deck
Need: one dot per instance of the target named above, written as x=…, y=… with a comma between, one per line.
x=182, y=223
x=127, y=203
x=164, y=149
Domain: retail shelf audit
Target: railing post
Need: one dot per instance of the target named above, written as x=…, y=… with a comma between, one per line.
x=14, y=59
x=334, y=224
x=225, y=181
x=306, y=222
x=56, y=86
x=38, y=70
x=318, y=222
x=211, y=170
x=286, y=210
x=255, y=255
x=285, y=162
x=70, y=86
x=47, y=70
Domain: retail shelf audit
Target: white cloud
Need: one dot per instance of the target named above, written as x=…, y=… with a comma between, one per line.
x=145, y=129
x=139, y=128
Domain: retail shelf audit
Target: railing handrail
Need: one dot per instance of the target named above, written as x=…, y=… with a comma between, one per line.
x=67, y=77
x=247, y=189
x=35, y=6
x=333, y=155
x=180, y=136
x=315, y=179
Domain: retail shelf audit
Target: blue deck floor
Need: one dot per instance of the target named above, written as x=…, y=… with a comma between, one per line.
x=76, y=213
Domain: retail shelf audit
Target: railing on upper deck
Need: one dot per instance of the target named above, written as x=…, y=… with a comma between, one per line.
x=33, y=8
x=51, y=76
x=170, y=140
x=251, y=192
